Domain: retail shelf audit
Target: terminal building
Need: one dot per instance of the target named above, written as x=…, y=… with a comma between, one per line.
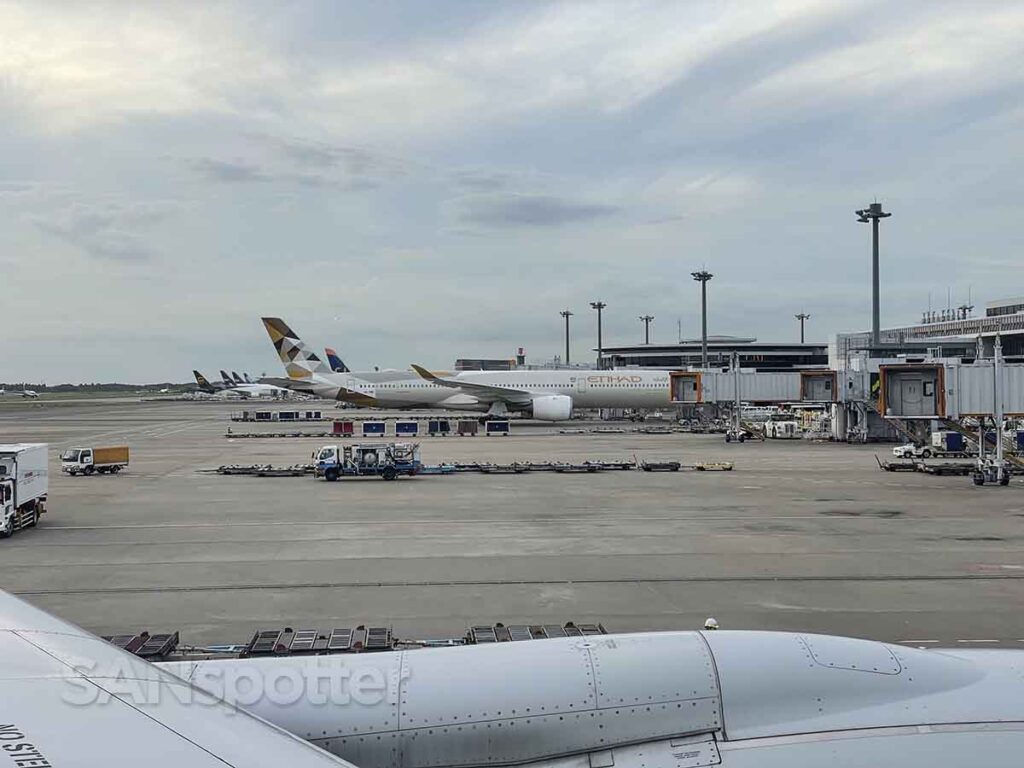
x=943, y=333
x=753, y=355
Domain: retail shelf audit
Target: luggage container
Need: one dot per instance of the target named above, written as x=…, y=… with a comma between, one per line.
x=344, y=428
x=439, y=427
x=498, y=427
x=948, y=441
x=407, y=428
x=374, y=428
x=468, y=427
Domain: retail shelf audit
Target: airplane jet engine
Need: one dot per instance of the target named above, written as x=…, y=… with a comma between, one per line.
x=552, y=407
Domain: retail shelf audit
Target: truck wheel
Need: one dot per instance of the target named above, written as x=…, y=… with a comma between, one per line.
x=926, y=454
x=8, y=529
x=390, y=473
x=88, y=470
x=115, y=470
x=330, y=475
x=979, y=479
x=728, y=438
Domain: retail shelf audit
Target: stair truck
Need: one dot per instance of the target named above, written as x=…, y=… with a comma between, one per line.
x=24, y=482
x=85, y=461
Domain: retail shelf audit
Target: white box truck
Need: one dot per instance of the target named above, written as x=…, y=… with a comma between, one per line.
x=24, y=482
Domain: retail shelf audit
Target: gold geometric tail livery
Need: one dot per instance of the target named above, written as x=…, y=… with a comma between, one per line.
x=299, y=362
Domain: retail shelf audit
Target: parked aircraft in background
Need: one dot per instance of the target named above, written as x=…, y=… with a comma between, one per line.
x=227, y=387
x=646, y=700
x=20, y=393
x=549, y=395
x=206, y=385
x=336, y=363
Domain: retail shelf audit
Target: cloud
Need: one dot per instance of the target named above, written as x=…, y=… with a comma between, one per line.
x=110, y=230
x=522, y=210
x=565, y=150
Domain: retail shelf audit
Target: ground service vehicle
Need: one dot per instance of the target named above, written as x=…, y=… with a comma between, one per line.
x=24, y=482
x=88, y=460
x=782, y=427
x=368, y=459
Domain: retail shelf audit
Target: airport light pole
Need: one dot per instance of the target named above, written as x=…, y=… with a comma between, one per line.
x=566, y=314
x=599, y=305
x=874, y=213
x=801, y=317
x=702, y=277
x=646, y=320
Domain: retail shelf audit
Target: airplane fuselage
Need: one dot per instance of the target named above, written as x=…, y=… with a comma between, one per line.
x=588, y=389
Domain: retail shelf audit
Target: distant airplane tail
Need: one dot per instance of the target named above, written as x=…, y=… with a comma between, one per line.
x=226, y=379
x=299, y=362
x=336, y=363
x=236, y=378
x=246, y=377
x=202, y=381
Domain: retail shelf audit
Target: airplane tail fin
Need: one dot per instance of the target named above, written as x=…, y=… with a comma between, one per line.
x=236, y=378
x=299, y=362
x=226, y=379
x=336, y=363
x=246, y=377
x=202, y=381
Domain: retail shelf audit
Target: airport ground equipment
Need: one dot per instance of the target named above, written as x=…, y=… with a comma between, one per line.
x=374, y=428
x=496, y=427
x=782, y=426
x=86, y=461
x=24, y=483
x=272, y=416
x=387, y=460
x=468, y=427
x=407, y=429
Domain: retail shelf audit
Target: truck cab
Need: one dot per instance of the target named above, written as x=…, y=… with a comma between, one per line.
x=23, y=486
x=75, y=460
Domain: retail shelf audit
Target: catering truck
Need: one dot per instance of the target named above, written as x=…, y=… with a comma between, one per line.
x=24, y=481
x=88, y=460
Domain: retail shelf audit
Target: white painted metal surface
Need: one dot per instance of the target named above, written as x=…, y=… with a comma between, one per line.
x=70, y=699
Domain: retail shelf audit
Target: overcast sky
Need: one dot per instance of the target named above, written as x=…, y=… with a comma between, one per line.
x=413, y=182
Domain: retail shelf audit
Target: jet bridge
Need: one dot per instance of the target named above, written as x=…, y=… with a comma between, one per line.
x=950, y=390
x=758, y=387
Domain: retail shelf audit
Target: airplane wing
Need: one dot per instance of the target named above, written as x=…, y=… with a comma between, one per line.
x=70, y=698
x=484, y=392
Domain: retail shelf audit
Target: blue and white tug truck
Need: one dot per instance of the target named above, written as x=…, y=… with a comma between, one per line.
x=24, y=482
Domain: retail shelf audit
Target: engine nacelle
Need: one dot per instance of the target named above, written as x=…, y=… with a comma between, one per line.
x=552, y=407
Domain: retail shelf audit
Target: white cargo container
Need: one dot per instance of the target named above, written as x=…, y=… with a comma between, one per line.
x=24, y=483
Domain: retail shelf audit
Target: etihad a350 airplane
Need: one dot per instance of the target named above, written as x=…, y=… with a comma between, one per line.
x=645, y=700
x=548, y=395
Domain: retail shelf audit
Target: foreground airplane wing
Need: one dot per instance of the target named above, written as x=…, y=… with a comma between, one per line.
x=484, y=392
x=68, y=698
